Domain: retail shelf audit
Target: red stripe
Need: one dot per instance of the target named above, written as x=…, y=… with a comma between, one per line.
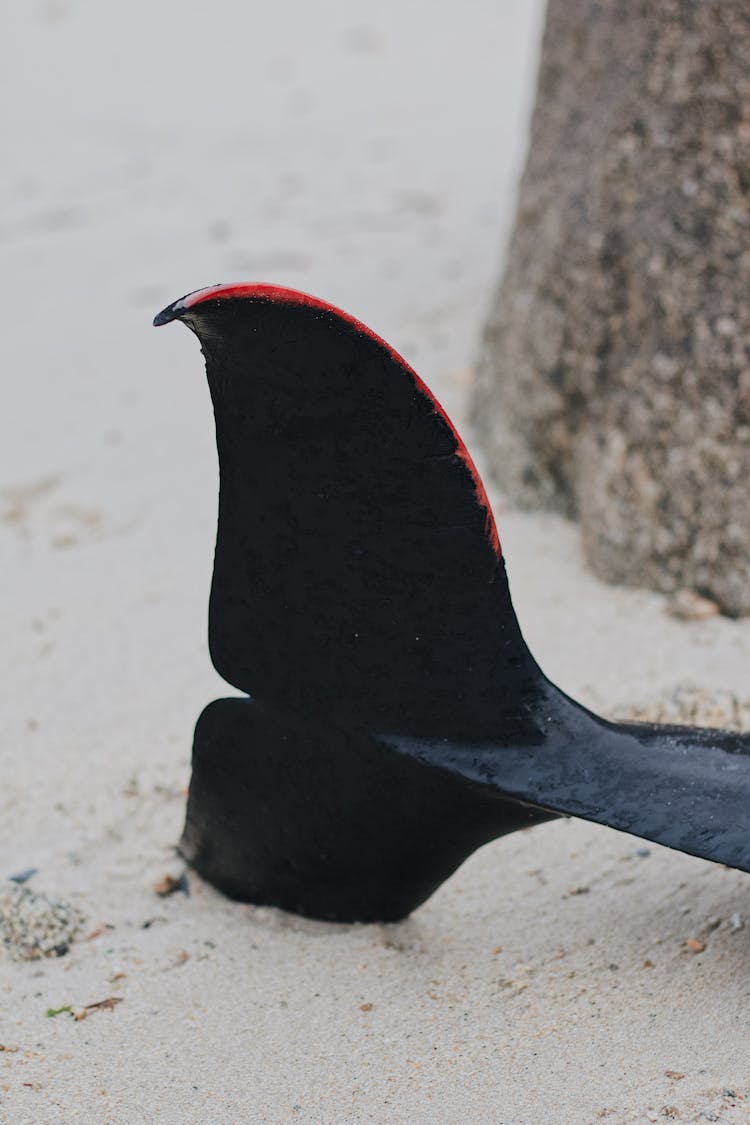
x=292, y=297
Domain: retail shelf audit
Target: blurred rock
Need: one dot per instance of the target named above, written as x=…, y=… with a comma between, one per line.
x=33, y=925
x=615, y=379
x=689, y=704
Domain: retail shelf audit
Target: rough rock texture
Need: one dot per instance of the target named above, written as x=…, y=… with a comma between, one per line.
x=615, y=379
x=691, y=705
x=33, y=925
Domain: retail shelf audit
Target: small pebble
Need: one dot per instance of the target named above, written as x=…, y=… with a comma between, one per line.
x=24, y=876
x=686, y=605
x=33, y=925
x=170, y=884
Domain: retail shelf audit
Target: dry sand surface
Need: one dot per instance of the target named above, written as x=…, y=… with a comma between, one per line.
x=369, y=156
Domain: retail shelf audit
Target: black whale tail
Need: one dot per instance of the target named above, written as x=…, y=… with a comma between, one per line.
x=348, y=826
x=685, y=787
x=397, y=720
x=326, y=822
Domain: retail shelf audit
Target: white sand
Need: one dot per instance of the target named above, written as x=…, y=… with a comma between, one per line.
x=369, y=158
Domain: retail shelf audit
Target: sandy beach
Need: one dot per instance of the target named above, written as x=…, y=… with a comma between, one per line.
x=565, y=974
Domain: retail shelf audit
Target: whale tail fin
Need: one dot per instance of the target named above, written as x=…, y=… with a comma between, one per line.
x=398, y=719
x=685, y=787
x=329, y=823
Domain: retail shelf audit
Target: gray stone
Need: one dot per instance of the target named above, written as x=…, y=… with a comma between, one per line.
x=33, y=925
x=614, y=383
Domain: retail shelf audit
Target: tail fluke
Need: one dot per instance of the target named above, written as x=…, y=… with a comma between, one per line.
x=398, y=719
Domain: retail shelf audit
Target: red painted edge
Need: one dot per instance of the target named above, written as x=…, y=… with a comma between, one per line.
x=293, y=297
